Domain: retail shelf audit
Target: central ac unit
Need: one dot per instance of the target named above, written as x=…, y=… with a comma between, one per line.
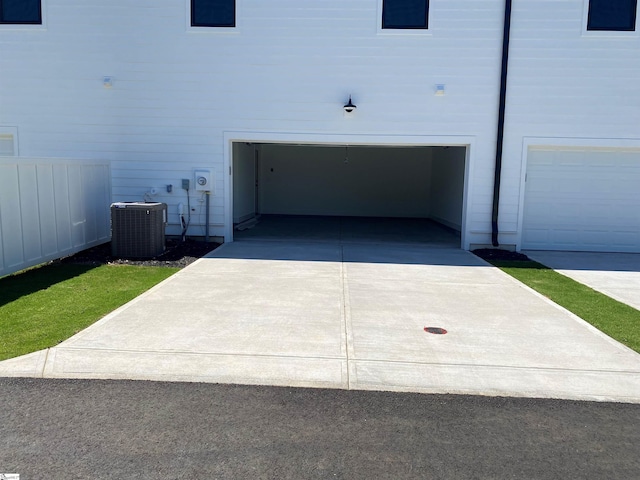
x=137, y=229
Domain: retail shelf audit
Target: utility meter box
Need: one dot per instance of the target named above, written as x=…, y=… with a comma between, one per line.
x=203, y=181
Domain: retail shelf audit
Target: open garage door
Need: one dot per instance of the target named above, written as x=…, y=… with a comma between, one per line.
x=582, y=200
x=425, y=182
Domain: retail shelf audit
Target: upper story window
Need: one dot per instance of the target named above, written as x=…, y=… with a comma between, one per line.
x=612, y=15
x=213, y=13
x=405, y=14
x=21, y=12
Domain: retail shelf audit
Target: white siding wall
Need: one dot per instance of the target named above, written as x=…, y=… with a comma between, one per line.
x=565, y=84
x=50, y=208
x=289, y=67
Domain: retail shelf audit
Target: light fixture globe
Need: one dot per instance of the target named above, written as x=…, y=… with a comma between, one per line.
x=349, y=107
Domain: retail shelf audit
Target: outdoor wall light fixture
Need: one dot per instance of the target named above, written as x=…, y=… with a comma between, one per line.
x=349, y=107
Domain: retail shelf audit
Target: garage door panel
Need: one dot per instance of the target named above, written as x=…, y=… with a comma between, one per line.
x=539, y=215
x=596, y=238
x=540, y=186
x=624, y=217
x=536, y=237
x=564, y=237
x=582, y=200
x=567, y=158
x=628, y=183
x=624, y=239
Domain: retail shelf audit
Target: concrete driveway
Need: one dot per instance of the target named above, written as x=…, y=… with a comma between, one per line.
x=614, y=274
x=347, y=315
x=343, y=302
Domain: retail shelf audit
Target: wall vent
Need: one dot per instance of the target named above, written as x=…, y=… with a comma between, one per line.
x=137, y=229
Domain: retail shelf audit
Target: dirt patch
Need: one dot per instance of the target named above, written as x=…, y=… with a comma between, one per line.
x=499, y=254
x=178, y=254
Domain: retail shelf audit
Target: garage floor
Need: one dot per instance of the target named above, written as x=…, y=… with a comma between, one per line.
x=347, y=314
x=350, y=230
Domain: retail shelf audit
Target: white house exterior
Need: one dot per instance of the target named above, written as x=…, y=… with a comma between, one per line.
x=133, y=82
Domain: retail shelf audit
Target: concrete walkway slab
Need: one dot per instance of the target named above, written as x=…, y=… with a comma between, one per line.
x=614, y=274
x=348, y=315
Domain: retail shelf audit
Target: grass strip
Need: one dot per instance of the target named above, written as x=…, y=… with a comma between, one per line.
x=616, y=319
x=41, y=307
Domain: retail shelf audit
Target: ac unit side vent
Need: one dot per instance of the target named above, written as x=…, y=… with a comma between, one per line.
x=138, y=229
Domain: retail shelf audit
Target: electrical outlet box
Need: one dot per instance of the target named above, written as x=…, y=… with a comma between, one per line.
x=203, y=180
x=185, y=184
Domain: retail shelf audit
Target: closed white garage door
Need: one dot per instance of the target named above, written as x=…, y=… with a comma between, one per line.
x=582, y=200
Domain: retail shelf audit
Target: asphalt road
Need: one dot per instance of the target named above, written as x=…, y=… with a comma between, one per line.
x=76, y=429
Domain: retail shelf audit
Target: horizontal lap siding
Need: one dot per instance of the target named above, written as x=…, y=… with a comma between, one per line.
x=288, y=68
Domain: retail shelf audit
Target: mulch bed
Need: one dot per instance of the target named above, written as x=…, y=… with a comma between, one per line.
x=178, y=254
x=499, y=254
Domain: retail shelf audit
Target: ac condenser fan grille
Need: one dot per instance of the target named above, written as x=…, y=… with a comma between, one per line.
x=137, y=229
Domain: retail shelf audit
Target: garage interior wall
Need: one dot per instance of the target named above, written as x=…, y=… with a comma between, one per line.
x=447, y=185
x=341, y=180
x=244, y=181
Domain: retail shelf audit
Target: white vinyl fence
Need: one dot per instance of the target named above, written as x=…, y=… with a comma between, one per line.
x=51, y=208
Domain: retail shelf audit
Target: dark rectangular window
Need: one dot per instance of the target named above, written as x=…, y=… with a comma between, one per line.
x=24, y=12
x=612, y=15
x=407, y=14
x=213, y=13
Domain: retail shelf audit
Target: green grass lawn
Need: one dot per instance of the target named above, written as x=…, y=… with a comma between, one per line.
x=43, y=306
x=616, y=319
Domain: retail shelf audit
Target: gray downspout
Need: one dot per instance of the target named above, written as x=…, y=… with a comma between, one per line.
x=501, y=108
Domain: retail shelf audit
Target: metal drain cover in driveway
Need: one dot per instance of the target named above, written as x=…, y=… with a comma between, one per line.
x=435, y=330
